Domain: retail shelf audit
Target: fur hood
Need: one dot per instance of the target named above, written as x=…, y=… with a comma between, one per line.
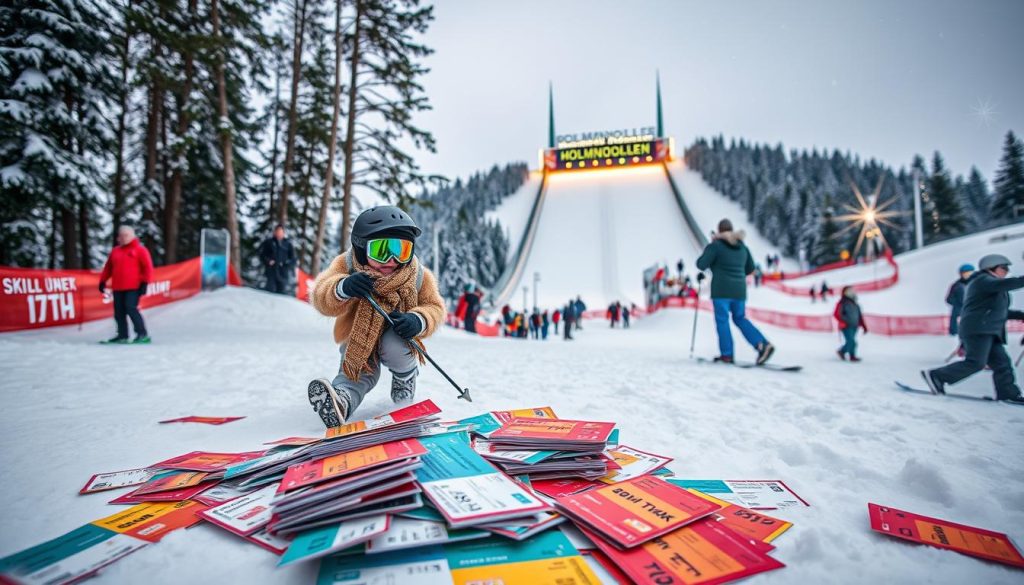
x=733, y=238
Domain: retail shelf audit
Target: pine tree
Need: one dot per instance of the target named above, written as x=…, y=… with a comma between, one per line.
x=56, y=70
x=1008, y=202
x=384, y=93
x=975, y=193
x=947, y=216
x=826, y=246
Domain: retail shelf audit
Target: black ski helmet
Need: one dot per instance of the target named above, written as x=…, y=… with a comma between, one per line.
x=386, y=220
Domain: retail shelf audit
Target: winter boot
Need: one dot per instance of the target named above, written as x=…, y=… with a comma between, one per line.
x=934, y=384
x=141, y=339
x=725, y=359
x=764, y=352
x=854, y=358
x=330, y=404
x=841, y=354
x=403, y=390
x=115, y=341
x=1018, y=399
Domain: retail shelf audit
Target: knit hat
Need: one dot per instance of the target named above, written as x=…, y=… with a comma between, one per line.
x=724, y=226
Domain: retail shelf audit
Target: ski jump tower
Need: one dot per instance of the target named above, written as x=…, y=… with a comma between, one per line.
x=578, y=162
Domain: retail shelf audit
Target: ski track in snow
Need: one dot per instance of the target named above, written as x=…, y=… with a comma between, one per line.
x=839, y=434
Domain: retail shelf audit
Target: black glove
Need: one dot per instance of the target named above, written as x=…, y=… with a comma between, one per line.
x=142, y=288
x=407, y=325
x=701, y=276
x=359, y=284
x=103, y=286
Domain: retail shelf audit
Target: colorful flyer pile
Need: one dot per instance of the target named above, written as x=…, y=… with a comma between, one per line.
x=465, y=488
x=320, y=542
x=703, y=552
x=117, y=479
x=547, y=558
x=319, y=470
x=976, y=542
x=420, y=410
x=756, y=494
x=245, y=514
x=84, y=551
x=630, y=513
x=632, y=463
x=755, y=525
x=209, y=462
x=487, y=423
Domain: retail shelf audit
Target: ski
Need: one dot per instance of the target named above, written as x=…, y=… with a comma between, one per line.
x=907, y=388
x=747, y=365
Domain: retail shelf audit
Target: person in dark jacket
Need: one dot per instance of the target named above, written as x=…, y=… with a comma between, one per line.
x=849, y=317
x=569, y=316
x=473, y=295
x=625, y=317
x=730, y=262
x=130, y=270
x=278, y=257
x=983, y=330
x=955, y=297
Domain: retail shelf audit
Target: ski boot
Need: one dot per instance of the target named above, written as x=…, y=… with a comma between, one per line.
x=935, y=385
x=764, y=352
x=403, y=390
x=332, y=406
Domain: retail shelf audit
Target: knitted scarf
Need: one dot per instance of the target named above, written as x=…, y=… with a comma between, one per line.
x=395, y=291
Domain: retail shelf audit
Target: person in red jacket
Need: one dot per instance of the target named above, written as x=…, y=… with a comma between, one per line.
x=130, y=270
x=850, y=317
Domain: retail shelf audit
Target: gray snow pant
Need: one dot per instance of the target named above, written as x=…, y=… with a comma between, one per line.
x=979, y=351
x=393, y=352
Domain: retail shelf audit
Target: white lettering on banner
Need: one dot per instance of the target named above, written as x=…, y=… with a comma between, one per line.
x=21, y=286
x=60, y=284
x=51, y=307
x=159, y=287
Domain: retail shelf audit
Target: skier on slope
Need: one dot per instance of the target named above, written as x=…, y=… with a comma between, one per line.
x=730, y=262
x=380, y=265
x=983, y=330
x=955, y=297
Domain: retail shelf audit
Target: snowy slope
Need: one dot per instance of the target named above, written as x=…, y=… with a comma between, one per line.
x=925, y=276
x=597, y=233
x=514, y=211
x=708, y=207
x=838, y=434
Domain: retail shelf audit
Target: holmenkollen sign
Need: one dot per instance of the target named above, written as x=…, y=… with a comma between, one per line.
x=605, y=149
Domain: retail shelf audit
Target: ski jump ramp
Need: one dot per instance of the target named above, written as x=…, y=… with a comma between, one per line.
x=592, y=233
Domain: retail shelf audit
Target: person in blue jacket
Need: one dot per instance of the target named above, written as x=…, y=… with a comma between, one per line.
x=955, y=297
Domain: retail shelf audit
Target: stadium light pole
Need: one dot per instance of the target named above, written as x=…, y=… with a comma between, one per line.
x=918, y=228
x=536, y=279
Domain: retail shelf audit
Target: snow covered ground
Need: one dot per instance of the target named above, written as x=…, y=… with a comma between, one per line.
x=514, y=211
x=839, y=434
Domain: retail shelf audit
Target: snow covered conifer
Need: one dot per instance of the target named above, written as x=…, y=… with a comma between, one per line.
x=946, y=218
x=55, y=76
x=1008, y=201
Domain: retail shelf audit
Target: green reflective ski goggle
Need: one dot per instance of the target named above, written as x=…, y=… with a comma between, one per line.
x=385, y=249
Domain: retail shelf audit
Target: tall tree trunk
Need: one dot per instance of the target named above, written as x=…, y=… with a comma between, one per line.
x=350, y=130
x=304, y=217
x=321, y=224
x=226, y=143
x=119, y=203
x=150, y=181
x=172, y=207
x=69, y=238
x=83, y=233
x=52, y=240
x=274, y=149
x=299, y=31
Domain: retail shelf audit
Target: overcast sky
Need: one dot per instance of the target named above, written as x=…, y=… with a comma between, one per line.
x=882, y=79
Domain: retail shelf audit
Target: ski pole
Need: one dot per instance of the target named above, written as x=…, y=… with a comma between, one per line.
x=696, y=309
x=463, y=392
